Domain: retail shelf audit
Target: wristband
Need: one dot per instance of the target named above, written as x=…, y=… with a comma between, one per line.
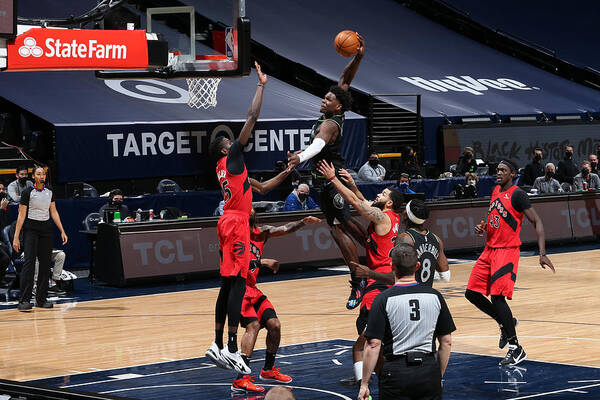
x=332, y=178
x=260, y=84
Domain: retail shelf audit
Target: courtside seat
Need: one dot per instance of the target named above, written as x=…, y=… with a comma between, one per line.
x=168, y=186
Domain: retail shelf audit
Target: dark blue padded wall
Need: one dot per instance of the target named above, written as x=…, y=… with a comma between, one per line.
x=568, y=28
x=408, y=53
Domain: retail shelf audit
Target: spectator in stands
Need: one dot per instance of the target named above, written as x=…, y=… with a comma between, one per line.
x=115, y=201
x=466, y=162
x=403, y=184
x=469, y=191
x=593, y=159
x=586, y=179
x=534, y=169
x=300, y=199
x=219, y=210
x=566, y=167
x=372, y=171
x=547, y=183
x=55, y=284
x=16, y=187
x=409, y=163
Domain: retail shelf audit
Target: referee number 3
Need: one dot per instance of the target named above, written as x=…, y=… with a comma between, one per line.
x=415, y=313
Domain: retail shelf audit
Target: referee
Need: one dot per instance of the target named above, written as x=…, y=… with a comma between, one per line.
x=407, y=318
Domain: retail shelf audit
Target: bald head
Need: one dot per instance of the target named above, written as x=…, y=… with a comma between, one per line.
x=280, y=393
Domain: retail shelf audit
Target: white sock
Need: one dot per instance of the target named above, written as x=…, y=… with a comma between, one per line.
x=358, y=370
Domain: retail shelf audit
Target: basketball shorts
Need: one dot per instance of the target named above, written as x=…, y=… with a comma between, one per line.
x=233, y=230
x=495, y=272
x=334, y=207
x=256, y=307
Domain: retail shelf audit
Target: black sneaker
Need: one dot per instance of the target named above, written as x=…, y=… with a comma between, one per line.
x=55, y=290
x=356, y=294
x=45, y=304
x=25, y=307
x=503, y=339
x=515, y=355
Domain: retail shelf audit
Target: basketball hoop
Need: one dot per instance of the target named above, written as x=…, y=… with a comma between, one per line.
x=203, y=92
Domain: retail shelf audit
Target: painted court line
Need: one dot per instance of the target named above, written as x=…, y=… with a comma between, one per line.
x=336, y=362
x=204, y=367
x=126, y=376
x=531, y=396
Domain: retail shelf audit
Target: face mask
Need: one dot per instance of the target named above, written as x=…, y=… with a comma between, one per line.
x=42, y=181
x=537, y=158
x=302, y=197
x=373, y=163
x=550, y=174
x=22, y=181
x=472, y=183
x=585, y=172
x=404, y=185
x=568, y=154
x=594, y=165
x=117, y=203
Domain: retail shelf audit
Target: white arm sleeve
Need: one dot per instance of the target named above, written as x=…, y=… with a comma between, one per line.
x=315, y=148
x=442, y=276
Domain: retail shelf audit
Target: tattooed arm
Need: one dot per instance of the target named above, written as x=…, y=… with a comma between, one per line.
x=291, y=227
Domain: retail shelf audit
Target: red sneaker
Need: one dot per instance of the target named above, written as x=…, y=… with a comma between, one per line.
x=274, y=375
x=246, y=384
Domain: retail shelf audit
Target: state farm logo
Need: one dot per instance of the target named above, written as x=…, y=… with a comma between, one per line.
x=466, y=84
x=30, y=48
x=55, y=48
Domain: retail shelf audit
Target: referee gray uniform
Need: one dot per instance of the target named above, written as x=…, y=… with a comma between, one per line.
x=407, y=319
x=37, y=242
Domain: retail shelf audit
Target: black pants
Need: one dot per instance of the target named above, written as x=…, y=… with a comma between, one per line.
x=399, y=381
x=4, y=260
x=37, y=243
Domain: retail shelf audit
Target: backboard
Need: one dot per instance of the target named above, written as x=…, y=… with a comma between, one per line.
x=198, y=48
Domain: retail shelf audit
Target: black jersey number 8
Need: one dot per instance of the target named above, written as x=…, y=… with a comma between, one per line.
x=226, y=191
x=415, y=314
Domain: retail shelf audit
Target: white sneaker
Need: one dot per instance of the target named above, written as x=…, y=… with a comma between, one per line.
x=236, y=361
x=214, y=354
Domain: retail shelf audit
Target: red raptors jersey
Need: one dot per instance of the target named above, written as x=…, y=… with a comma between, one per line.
x=256, y=249
x=503, y=221
x=237, y=192
x=379, y=247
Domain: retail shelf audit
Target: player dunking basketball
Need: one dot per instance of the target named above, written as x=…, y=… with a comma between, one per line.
x=257, y=310
x=234, y=236
x=380, y=240
x=325, y=143
x=429, y=247
x=495, y=271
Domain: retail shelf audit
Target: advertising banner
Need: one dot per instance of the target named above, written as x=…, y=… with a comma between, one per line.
x=148, y=150
x=45, y=48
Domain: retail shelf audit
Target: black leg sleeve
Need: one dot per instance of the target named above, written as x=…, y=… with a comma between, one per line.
x=221, y=306
x=505, y=316
x=234, y=305
x=481, y=302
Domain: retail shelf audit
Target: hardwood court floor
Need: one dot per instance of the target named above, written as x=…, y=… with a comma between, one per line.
x=557, y=321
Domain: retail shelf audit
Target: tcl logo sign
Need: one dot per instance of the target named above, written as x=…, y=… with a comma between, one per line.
x=41, y=48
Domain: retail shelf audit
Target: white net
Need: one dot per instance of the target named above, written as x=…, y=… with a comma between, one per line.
x=203, y=92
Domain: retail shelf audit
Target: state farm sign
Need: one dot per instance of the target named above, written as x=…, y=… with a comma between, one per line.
x=47, y=49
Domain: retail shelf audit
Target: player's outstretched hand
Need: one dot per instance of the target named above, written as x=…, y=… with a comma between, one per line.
x=347, y=178
x=262, y=78
x=545, y=262
x=293, y=159
x=479, y=229
x=310, y=220
x=361, y=49
x=271, y=264
x=326, y=169
x=360, y=271
x=364, y=394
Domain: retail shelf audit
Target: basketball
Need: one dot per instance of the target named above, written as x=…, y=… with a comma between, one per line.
x=346, y=43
